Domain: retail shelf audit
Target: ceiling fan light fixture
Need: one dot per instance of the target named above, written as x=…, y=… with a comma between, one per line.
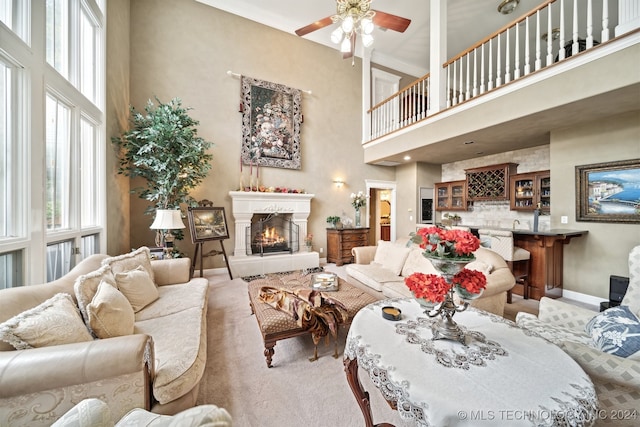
x=337, y=35
x=367, y=26
x=347, y=24
x=508, y=6
x=345, y=47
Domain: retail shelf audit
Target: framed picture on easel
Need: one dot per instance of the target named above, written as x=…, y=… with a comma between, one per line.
x=207, y=223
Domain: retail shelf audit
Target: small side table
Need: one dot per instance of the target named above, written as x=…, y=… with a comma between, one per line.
x=341, y=241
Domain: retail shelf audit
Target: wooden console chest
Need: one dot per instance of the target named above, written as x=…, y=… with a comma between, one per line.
x=340, y=242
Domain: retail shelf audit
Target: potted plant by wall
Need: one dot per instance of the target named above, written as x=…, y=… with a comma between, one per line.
x=163, y=148
x=333, y=220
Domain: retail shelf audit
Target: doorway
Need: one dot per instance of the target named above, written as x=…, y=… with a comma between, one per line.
x=382, y=211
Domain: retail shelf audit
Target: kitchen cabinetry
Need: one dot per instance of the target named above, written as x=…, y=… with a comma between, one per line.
x=529, y=189
x=451, y=196
x=489, y=182
x=341, y=241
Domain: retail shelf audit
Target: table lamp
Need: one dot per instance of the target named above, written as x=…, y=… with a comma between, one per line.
x=167, y=219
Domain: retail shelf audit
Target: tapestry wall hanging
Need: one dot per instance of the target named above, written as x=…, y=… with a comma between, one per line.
x=271, y=118
x=608, y=192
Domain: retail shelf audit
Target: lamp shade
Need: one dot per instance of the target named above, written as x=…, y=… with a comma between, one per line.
x=167, y=219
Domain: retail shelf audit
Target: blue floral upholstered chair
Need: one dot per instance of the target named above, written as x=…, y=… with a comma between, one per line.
x=606, y=345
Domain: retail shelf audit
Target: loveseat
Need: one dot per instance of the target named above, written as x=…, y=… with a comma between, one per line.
x=384, y=267
x=606, y=345
x=126, y=329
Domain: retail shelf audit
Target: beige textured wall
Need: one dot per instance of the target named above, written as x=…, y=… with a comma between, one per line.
x=589, y=260
x=181, y=48
x=117, y=106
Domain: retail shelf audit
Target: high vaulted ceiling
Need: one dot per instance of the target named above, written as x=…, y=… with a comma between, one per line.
x=468, y=22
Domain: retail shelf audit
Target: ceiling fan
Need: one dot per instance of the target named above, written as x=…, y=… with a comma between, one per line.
x=356, y=18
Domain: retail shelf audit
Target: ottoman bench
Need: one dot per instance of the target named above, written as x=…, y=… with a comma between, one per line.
x=276, y=325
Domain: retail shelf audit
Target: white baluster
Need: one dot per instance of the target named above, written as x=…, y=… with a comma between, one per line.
x=507, y=55
x=575, y=47
x=549, y=36
x=605, y=21
x=461, y=90
x=490, y=79
x=538, y=54
x=527, y=54
x=498, y=67
x=482, y=85
x=475, y=72
x=468, y=93
x=449, y=103
x=561, y=52
x=516, y=70
x=589, y=24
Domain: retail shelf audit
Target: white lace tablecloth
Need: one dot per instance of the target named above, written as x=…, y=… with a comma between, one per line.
x=502, y=376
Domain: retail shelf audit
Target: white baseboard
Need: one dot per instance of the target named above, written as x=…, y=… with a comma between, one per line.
x=583, y=298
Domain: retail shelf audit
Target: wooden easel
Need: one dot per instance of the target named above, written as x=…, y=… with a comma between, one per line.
x=213, y=252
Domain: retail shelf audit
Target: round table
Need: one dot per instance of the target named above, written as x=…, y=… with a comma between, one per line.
x=502, y=376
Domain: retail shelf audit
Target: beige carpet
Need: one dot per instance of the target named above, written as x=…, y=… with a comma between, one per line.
x=294, y=392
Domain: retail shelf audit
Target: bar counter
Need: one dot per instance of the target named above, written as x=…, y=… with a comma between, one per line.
x=546, y=264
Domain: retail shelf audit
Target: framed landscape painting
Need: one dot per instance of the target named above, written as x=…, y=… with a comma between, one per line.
x=207, y=223
x=271, y=120
x=608, y=192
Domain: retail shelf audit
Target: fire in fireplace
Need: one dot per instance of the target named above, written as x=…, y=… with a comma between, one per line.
x=272, y=234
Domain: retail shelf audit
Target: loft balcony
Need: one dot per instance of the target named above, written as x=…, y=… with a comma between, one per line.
x=561, y=64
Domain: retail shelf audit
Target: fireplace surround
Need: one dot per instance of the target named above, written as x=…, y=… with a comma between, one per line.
x=246, y=204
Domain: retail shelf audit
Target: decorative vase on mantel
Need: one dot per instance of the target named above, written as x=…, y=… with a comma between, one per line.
x=446, y=327
x=357, y=217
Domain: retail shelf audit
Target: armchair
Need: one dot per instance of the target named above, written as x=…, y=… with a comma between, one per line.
x=616, y=379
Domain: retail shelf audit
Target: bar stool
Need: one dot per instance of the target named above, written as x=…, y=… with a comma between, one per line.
x=501, y=242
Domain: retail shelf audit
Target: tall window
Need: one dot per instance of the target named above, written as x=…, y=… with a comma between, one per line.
x=58, y=35
x=6, y=173
x=13, y=14
x=52, y=137
x=58, y=162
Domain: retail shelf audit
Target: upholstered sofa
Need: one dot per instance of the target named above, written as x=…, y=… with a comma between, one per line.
x=384, y=267
x=94, y=412
x=599, y=343
x=147, y=350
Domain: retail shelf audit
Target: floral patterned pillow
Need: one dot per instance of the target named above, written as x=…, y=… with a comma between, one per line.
x=616, y=331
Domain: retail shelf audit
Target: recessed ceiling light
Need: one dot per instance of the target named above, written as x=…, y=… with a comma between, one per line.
x=406, y=158
x=508, y=6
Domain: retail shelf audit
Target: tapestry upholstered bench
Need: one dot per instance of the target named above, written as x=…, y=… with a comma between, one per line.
x=277, y=325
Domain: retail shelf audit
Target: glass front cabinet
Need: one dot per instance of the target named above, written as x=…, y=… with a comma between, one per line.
x=529, y=189
x=451, y=196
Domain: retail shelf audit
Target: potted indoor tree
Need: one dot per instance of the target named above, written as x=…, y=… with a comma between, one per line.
x=162, y=147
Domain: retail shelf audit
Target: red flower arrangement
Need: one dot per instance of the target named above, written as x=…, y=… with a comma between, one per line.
x=434, y=288
x=443, y=243
x=457, y=245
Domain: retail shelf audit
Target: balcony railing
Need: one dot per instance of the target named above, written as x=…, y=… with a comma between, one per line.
x=550, y=33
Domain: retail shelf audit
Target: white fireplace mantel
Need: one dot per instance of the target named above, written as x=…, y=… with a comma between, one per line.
x=247, y=203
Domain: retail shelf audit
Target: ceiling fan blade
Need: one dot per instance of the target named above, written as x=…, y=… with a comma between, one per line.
x=353, y=47
x=314, y=26
x=392, y=22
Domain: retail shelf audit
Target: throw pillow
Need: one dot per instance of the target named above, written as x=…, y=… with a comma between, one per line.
x=616, y=331
x=89, y=412
x=130, y=261
x=110, y=313
x=138, y=287
x=86, y=286
x=391, y=256
x=56, y=321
